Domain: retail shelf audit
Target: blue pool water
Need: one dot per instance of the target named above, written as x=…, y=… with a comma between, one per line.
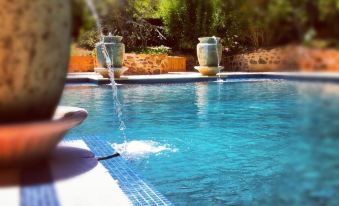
x=237, y=143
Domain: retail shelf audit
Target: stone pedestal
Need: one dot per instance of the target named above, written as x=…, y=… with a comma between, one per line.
x=209, y=71
x=118, y=72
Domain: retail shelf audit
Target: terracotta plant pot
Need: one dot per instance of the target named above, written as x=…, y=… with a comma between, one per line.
x=34, y=55
x=26, y=143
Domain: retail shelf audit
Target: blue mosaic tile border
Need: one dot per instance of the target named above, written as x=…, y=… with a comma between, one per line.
x=39, y=195
x=290, y=77
x=138, y=191
x=37, y=188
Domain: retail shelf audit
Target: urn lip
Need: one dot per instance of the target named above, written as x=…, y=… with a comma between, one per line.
x=112, y=39
x=210, y=40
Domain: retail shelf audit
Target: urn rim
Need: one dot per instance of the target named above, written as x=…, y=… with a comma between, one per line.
x=209, y=40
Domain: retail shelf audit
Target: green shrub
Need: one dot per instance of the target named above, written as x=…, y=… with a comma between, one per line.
x=154, y=50
x=88, y=39
x=323, y=43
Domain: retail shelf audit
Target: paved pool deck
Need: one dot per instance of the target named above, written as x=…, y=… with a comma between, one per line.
x=183, y=77
x=82, y=170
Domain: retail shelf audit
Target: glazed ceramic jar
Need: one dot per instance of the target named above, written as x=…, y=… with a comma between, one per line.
x=115, y=49
x=34, y=54
x=209, y=51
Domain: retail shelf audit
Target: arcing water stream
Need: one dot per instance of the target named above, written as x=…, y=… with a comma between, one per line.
x=133, y=149
x=109, y=63
x=117, y=104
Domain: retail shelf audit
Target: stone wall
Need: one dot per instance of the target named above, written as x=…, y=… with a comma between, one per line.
x=145, y=64
x=290, y=58
x=138, y=64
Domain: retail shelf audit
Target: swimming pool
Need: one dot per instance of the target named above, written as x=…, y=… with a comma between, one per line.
x=238, y=143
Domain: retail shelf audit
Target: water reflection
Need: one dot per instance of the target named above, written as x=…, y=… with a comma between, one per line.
x=201, y=93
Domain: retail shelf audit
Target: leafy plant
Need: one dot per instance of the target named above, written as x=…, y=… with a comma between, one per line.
x=88, y=39
x=154, y=50
x=323, y=43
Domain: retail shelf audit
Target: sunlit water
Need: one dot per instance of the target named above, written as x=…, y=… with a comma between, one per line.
x=237, y=143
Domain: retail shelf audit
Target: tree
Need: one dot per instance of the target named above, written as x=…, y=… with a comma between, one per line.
x=242, y=24
x=123, y=17
x=186, y=20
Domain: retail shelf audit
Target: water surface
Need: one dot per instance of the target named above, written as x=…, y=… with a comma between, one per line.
x=237, y=143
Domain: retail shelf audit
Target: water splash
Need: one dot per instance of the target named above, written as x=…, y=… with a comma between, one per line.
x=220, y=80
x=140, y=149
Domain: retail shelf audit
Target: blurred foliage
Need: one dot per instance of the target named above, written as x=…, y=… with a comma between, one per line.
x=126, y=18
x=323, y=43
x=154, y=50
x=187, y=20
x=242, y=24
x=88, y=39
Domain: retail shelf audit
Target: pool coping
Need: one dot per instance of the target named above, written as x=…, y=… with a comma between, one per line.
x=186, y=77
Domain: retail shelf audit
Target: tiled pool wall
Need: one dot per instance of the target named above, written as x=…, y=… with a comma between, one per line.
x=311, y=77
x=139, y=191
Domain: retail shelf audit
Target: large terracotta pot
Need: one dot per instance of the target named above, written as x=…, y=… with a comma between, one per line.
x=115, y=49
x=208, y=50
x=24, y=144
x=34, y=55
